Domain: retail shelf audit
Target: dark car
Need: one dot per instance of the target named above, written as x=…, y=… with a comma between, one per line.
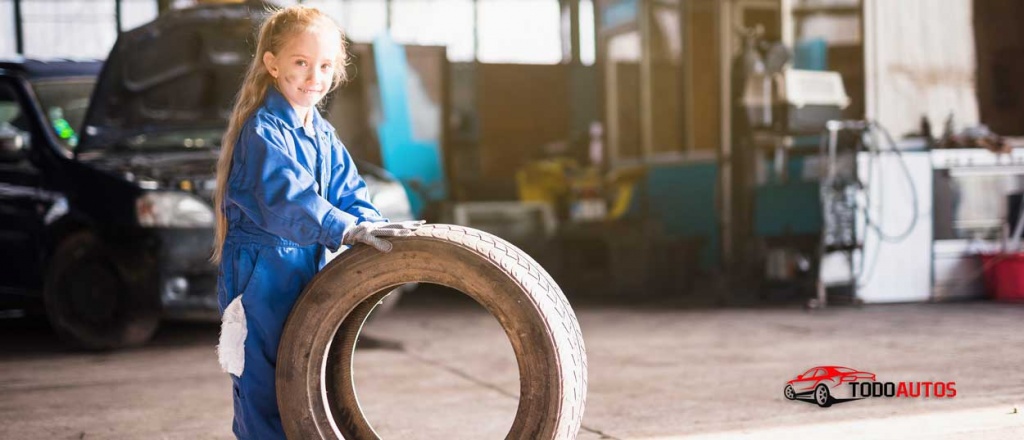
x=106, y=202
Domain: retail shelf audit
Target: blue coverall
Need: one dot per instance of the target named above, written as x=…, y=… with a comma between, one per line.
x=291, y=193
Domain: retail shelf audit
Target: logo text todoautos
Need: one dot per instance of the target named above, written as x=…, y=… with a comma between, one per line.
x=903, y=389
x=826, y=385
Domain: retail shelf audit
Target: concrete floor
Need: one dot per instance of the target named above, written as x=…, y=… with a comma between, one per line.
x=441, y=368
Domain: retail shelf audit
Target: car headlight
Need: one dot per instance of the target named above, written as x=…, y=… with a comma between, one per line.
x=165, y=209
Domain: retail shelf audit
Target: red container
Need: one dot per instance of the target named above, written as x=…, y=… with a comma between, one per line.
x=1004, y=276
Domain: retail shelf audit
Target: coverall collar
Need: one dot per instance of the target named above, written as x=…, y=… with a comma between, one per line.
x=280, y=107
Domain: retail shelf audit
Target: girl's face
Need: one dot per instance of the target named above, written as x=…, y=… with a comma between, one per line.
x=304, y=68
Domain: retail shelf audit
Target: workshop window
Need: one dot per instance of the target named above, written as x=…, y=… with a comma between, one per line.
x=7, y=44
x=519, y=31
x=508, y=31
x=435, y=22
x=135, y=13
x=588, y=50
x=362, y=21
x=70, y=28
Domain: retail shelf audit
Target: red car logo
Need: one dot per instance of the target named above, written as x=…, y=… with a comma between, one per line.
x=826, y=385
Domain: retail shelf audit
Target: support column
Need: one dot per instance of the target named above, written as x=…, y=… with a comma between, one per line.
x=117, y=16
x=570, y=31
x=19, y=31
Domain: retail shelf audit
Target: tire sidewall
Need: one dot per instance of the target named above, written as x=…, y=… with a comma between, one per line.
x=486, y=278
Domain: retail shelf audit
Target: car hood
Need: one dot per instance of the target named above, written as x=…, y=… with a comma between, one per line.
x=192, y=171
x=181, y=70
x=195, y=172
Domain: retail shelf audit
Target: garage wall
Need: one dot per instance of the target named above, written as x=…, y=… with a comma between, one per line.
x=504, y=115
x=521, y=107
x=920, y=60
x=1000, y=45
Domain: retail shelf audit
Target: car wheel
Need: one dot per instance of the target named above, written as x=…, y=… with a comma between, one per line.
x=822, y=396
x=789, y=393
x=89, y=298
x=316, y=393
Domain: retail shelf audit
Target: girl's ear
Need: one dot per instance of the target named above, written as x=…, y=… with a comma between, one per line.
x=270, y=62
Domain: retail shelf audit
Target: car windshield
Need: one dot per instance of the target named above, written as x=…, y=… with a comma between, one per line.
x=65, y=102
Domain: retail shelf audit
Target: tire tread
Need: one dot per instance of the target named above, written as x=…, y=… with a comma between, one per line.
x=546, y=296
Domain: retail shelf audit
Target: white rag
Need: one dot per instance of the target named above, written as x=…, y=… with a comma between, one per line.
x=231, y=349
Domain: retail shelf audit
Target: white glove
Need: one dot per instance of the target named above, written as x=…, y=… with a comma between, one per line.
x=372, y=233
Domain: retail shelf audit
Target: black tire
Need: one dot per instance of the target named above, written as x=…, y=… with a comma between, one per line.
x=320, y=402
x=789, y=392
x=95, y=302
x=822, y=397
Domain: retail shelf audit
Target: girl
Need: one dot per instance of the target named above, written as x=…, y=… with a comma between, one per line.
x=286, y=190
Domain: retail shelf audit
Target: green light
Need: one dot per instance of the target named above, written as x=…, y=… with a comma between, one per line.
x=63, y=129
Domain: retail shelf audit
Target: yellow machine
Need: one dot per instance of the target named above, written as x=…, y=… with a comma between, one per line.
x=581, y=193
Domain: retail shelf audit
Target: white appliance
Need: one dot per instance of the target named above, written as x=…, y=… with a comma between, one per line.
x=896, y=262
x=971, y=186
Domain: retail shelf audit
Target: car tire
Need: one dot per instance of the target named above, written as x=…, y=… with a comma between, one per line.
x=316, y=393
x=93, y=301
x=789, y=392
x=821, y=396
x=390, y=301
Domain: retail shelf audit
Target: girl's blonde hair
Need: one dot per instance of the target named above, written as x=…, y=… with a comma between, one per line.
x=273, y=35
